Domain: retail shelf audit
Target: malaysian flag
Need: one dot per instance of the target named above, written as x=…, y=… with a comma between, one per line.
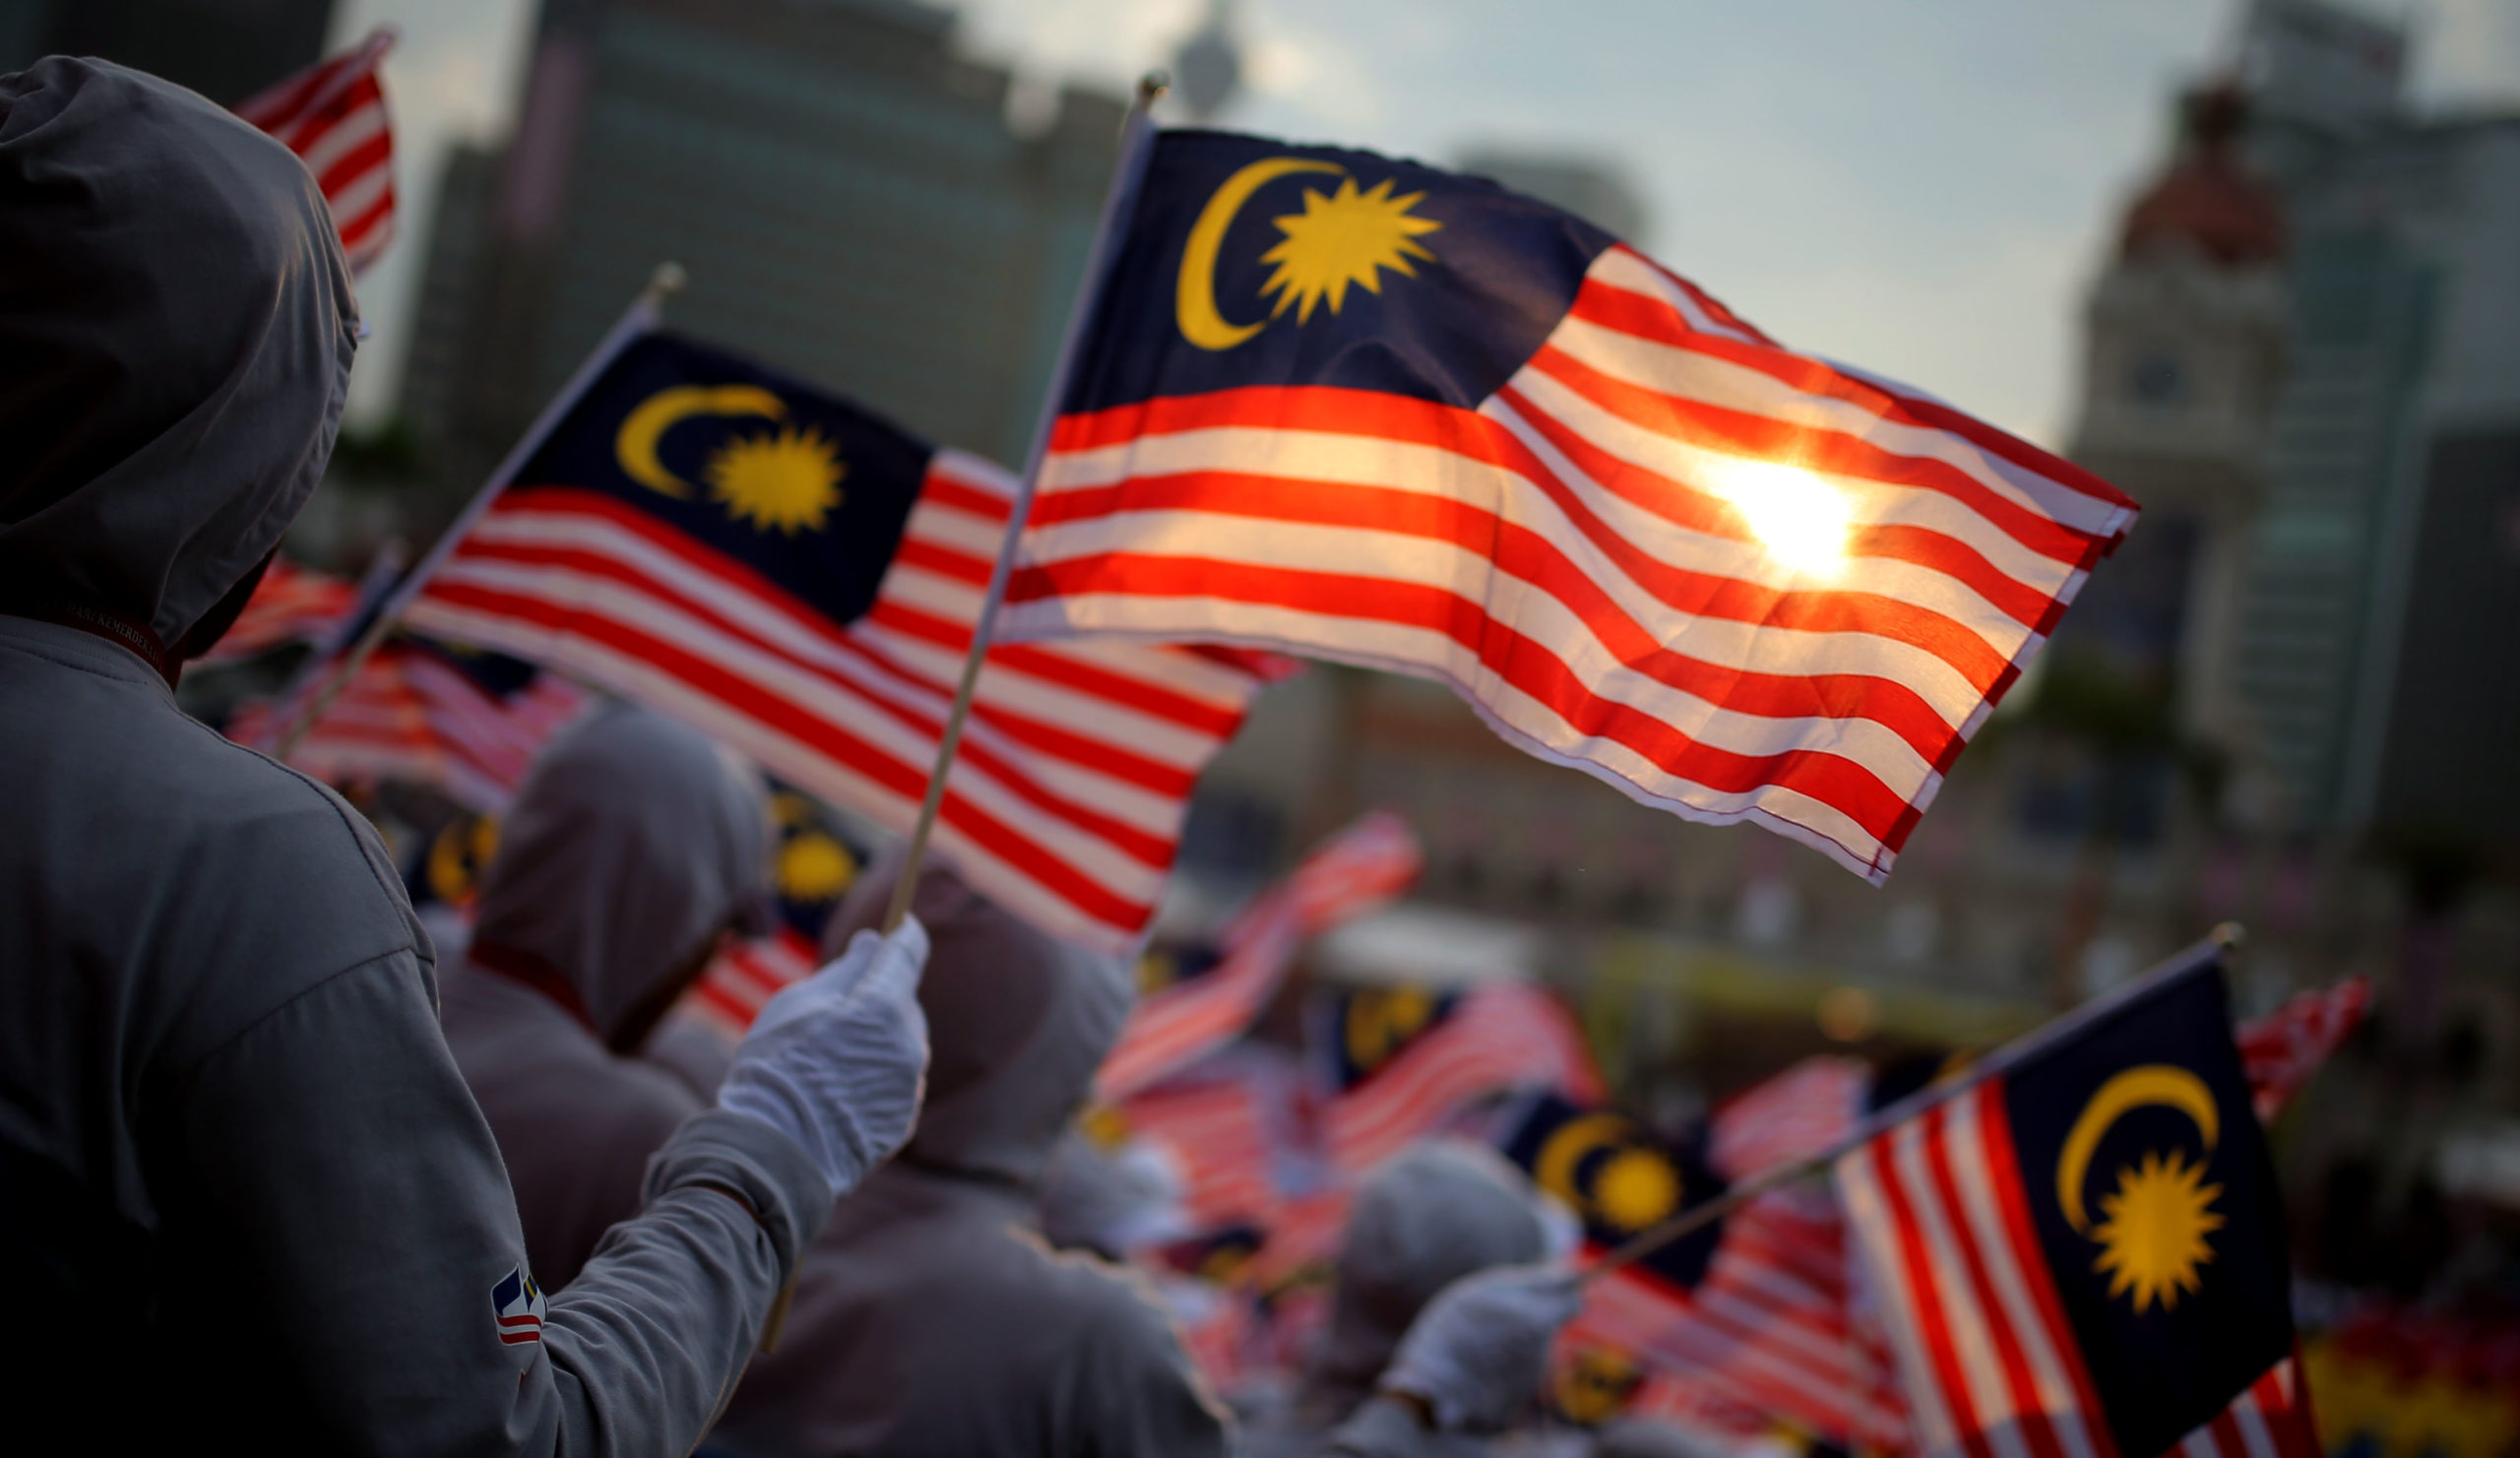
x=333, y=116
x=1795, y=1116
x=1352, y=872
x=1226, y=1126
x=1403, y=1061
x=425, y=712
x=290, y=604
x=799, y=579
x=517, y=1308
x=2082, y=1253
x=1362, y=409
x=1752, y=1307
x=2283, y=1050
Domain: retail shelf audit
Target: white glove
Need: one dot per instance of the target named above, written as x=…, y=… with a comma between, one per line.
x=838, y=1061
x=1477, y=1354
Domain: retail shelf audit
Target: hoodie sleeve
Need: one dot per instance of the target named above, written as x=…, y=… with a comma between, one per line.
x=365, y=1234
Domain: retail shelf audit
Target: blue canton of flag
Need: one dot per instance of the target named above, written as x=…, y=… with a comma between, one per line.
x=1620, y=1177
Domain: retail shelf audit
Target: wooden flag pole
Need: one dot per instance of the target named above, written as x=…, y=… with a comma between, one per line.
x=2011, y=1056
x=638, y=319
x=1137, y=149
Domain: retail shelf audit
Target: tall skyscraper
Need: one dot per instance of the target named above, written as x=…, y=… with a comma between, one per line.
x=225, y=50
x=844, y=190
x=2379, y=687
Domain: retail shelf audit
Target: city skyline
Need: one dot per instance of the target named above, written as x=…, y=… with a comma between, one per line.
x=1957, y=262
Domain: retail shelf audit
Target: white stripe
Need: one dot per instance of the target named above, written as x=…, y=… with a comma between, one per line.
x=2256, y=1440
x=1783, y=402
x=1406, y=650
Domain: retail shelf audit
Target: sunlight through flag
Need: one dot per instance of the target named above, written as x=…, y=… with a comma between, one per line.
x=1362, y=409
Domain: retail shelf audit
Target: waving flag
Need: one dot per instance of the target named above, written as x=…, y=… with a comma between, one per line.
x=1351, y=874
x=799, y=579
x=2283, y=1050
x=2083, y=1255
x=290, y=604
x=429, y=712
x=1402, y=1062
x=1752, y=1310
x=333, y=116
x=1359, y=408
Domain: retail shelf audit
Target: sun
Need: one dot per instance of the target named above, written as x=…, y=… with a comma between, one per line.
x=787, y=480
x=1347, y=237
x=2153, y=1234
x=1635, y=1188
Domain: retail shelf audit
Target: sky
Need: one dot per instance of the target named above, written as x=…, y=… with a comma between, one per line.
x=1924, y=191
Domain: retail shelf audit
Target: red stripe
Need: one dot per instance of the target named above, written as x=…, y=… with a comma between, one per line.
x=1522, y=662
x=1148, y=698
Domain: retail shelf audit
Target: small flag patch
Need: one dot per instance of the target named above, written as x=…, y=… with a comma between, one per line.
x=518, y=1303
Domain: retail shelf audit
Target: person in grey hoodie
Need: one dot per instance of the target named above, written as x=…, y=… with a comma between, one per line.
x=632, y=847
x=931, y=1319
x=243, y=1190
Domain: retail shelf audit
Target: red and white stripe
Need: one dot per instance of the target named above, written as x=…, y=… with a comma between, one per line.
x=1353, y=871
x=1795, y=1116
x=290, y=604
x=2285, y=1048
x=1962, y=1286
x=1078, y=760
x=410, y=716
x=1499, y=1037
x=1582, y=555
x=739, y=980
x=1770, y=1324
x=1219, y=1133
x=333, y=116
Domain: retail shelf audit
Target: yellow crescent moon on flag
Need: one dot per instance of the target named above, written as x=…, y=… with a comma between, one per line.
x=1194, y=296
x=2165, y=1084
x=635, y=444
x=1553, y=1169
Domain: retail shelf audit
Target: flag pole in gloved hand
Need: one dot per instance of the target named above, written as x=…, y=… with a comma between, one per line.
x=1137, y=148
x=1699, y=1217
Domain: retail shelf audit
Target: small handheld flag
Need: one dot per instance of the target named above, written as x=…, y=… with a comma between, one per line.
x=1353, y=871
x=2082, y=1253
x=1359, y=408
x=800, y=579
x=333, y=115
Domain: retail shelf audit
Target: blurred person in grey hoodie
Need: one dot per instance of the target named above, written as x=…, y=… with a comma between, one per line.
x=243, y=1189
x=632, y=848
x=931, y=1317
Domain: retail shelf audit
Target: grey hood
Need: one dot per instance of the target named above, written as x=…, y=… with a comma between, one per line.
x=1424, y=1219
x=632, y=841
x=1017, y=1023
x=176, y=326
